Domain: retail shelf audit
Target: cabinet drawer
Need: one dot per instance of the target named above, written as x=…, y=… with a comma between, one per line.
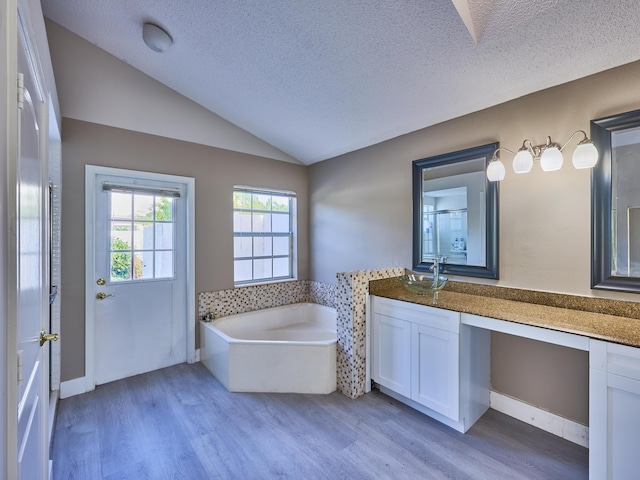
x=623, y=361
x=420, y=314
x=617, y=359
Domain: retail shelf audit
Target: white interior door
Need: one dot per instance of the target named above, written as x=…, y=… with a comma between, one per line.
x=30, y=236
x=139, y=287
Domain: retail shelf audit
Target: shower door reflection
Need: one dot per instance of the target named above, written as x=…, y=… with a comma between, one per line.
x=445, y=235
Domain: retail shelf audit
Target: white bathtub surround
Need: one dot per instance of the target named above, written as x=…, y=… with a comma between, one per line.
x=288, y=349
x=258, y=297
x=350, y=300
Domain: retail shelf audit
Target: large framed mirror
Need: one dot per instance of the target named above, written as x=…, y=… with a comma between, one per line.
x=615, y=203
x=455, y=213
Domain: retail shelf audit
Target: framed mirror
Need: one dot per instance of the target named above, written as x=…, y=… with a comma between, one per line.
x=615, y=203
x=455, y=213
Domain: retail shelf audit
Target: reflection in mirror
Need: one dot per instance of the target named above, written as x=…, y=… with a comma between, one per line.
x=455, y=213
x=625, y=196
x=615, y=249
x=634, y=242
x=453, y=219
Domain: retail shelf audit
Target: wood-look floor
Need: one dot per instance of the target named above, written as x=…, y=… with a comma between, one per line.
x=180, y=423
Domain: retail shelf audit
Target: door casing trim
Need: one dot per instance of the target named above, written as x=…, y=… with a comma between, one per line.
x=91, y=171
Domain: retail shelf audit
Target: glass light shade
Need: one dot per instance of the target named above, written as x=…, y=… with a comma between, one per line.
x=522, y=162
x=585, y=156
x=156, y=38
x=551, y=159
x=495, y=171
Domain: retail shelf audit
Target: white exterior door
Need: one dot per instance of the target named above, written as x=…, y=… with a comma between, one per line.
x=28, y=274
x=139, y=286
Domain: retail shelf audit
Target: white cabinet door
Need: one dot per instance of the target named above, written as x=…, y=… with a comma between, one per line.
x=614, y=411
x=623, y=415
x=391, y=353
x=435, y=361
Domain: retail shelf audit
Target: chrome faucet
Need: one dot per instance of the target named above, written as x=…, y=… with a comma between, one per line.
x=210, y=316
x=435, y=268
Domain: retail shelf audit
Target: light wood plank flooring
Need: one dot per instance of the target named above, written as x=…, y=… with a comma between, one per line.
x=180, y=423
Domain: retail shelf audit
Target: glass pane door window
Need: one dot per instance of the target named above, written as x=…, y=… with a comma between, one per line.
x=141, y=236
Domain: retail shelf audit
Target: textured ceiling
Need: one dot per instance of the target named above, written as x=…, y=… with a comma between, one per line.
x=318, y=78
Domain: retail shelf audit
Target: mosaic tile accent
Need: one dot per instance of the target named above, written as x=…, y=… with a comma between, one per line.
x=351, y=291
x=322, y=293
x=259, y=297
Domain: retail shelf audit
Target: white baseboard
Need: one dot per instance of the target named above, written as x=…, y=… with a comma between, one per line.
x=197, y=356
x=549, y=422
x=73, y=387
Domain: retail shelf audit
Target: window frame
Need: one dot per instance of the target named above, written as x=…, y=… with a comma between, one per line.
x=291, y=234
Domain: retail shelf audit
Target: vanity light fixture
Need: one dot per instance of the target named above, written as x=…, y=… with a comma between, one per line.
x=548, y=154
x=156, y=38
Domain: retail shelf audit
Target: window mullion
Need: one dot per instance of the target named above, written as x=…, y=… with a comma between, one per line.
x=154, y=238
x=253, y=263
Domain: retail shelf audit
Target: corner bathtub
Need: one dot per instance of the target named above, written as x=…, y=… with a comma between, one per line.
x=284, y=349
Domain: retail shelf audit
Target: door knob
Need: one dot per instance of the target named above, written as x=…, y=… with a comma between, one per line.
x=48, y=337
x=101, y=281
x=102, y=295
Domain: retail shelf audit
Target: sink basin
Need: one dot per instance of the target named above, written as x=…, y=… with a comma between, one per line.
x=422, y=284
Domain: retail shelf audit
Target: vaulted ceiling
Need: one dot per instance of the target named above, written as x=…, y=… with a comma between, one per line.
x=319, y=78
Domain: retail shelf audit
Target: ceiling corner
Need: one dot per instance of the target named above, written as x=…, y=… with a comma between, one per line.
x=462, y=6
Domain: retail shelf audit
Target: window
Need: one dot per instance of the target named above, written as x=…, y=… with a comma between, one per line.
x=141, y=233
x=263, y=229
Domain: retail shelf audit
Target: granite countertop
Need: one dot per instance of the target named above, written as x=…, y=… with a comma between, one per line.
x=603, y=319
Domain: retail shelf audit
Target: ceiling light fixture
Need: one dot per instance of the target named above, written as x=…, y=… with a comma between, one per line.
x=156, y=38
x=549, y=155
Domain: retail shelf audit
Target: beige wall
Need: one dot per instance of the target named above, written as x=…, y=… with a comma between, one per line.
x=97, y=87
x=360, y=207
x=216, y=172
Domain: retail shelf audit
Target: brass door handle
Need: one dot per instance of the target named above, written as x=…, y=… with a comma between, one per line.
x=102, y=295
x=48, y=337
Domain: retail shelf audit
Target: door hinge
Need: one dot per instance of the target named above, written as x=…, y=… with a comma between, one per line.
x=20, y=91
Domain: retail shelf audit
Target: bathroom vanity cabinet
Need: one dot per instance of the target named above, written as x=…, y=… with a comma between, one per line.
x=438, y=361
x=614, y=411
x=425, y=357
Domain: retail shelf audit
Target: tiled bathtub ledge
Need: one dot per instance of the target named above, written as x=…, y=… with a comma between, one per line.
x=611, y=320
x=258, y=297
